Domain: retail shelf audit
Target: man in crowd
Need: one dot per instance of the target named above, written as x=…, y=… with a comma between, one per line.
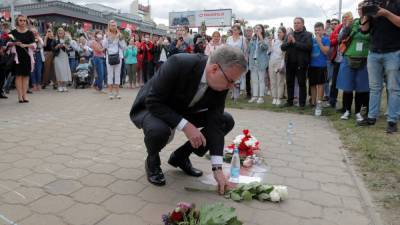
x=188, y=93
x=298, y=47
x=183, y=42
x=384, y=59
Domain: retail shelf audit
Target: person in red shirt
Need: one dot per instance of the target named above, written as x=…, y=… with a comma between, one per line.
x=148, y=64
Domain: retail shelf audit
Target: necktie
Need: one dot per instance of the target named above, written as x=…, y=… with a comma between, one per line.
x=199, y=94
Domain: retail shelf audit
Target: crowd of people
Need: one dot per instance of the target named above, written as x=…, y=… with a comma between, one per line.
x=356, y=56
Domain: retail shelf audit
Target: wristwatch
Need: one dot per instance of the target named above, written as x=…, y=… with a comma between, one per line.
x=215, y=168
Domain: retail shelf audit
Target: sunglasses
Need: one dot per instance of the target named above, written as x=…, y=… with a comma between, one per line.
x=226, y=77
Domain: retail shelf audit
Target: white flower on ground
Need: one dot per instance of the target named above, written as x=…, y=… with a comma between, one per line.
x=275, y=197
x=238, y=139
x=282, y=190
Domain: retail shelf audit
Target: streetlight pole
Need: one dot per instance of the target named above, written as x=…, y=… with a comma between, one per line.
x=340, y=9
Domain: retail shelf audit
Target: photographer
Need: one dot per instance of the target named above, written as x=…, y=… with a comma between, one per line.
x=148, y=63
x=383, y=59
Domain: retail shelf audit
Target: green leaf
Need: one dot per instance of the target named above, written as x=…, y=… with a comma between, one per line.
x=263, y=196
x=217, y=214
x=247, y=196
x=236, y=197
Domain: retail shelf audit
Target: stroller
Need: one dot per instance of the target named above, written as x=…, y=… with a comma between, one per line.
x=82, y=78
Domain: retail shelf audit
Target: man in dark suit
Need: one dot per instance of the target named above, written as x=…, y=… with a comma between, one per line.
x=187, y=93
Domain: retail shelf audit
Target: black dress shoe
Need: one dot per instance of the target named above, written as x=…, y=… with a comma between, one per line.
x=184, y=165
x=3, y=96
x=287, y=104
x=154, y=175
x=367, y=122
x=391, y=128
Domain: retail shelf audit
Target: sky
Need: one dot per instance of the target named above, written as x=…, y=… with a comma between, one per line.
x=271, y=12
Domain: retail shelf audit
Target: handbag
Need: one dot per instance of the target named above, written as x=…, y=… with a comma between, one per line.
x=356, y=63
x=113, y=59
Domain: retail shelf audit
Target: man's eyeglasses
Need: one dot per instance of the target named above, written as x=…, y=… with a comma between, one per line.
x=226, y=77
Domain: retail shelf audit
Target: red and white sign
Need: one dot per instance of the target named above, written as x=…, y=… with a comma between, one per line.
x=6, y=15
x=212, y=18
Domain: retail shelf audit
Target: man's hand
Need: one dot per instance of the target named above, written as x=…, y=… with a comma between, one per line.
x=318, y=39
x=222, y=181
x=382, y=12
x=195, y=137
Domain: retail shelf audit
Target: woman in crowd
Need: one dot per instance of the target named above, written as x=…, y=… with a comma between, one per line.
x=61, y=63
x=214, y=44
x=36, y=76
x=98, y=59
x=48, y=70
x=72, y=51
x=353, y=74
x=139, y=65
x=114, y=45
x=24, y=42
x=130, y=55
x=258, y=62
x=277, y=67
x=164, y=50
x=238, y=41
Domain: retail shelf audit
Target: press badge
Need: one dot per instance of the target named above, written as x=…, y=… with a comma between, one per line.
x=359, y=46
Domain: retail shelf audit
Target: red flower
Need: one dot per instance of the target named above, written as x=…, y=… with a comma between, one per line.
x=246, y=132
x=176, y=216
x=5, y=36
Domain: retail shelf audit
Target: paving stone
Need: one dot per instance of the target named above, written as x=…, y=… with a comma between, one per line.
x=72, y=173
x=13, y=213
x=301, y=208
x=15, y=173
x=126, y=187
x=157, y=194
x=100, y=180
x=274, y=217
x=81, y=214
x=345, y=216
x=102, y=168
x=128, y=174
x=122, y=220
x=322, y=198
x=38, y=219
x=152, y=212
x=121, y=204
x=64, y=187
x=52, y=204
x=23, y=195
x=92, y=195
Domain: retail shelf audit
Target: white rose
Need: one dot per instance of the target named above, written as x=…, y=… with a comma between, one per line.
x=238, y=139
x=274, y=195
x=283, y=191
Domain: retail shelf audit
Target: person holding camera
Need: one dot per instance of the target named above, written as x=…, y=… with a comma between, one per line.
x=61, y=62
x=114, y=44
x=148, y=63
x=382, y=22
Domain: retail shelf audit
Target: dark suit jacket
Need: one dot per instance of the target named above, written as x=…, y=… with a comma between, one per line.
x=168, y=95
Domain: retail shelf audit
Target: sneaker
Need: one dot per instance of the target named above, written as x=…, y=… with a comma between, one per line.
x=391, y=128
x=260, y=100
x=278, y=102
x=60, y=89
x=367, y=122
x=118, y=96
x=65, y=89
x=111, y=96
x=359, y=117
x=345, y=115
x=253, y=99
x=274, y=101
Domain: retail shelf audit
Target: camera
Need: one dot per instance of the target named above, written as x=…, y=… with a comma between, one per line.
x=371, y=7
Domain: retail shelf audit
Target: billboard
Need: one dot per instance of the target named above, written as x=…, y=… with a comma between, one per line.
x=212, y=18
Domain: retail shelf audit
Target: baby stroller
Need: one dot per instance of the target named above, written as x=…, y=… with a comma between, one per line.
x=82, y=77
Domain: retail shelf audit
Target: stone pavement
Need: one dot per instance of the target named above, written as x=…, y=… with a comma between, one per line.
x=75, y=158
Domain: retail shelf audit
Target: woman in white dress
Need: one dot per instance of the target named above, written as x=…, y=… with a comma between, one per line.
x=61, y=63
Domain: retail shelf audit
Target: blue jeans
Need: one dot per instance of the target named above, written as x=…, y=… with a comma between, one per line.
x=36, y=75
x=99, y=66
x=73, y=63
x=380, y=64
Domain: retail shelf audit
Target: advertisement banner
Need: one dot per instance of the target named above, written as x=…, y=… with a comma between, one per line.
x=87, y=26
x=212, y=18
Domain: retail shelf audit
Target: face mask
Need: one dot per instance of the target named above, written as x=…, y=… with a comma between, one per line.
x=165, y=42
x=99, y=36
